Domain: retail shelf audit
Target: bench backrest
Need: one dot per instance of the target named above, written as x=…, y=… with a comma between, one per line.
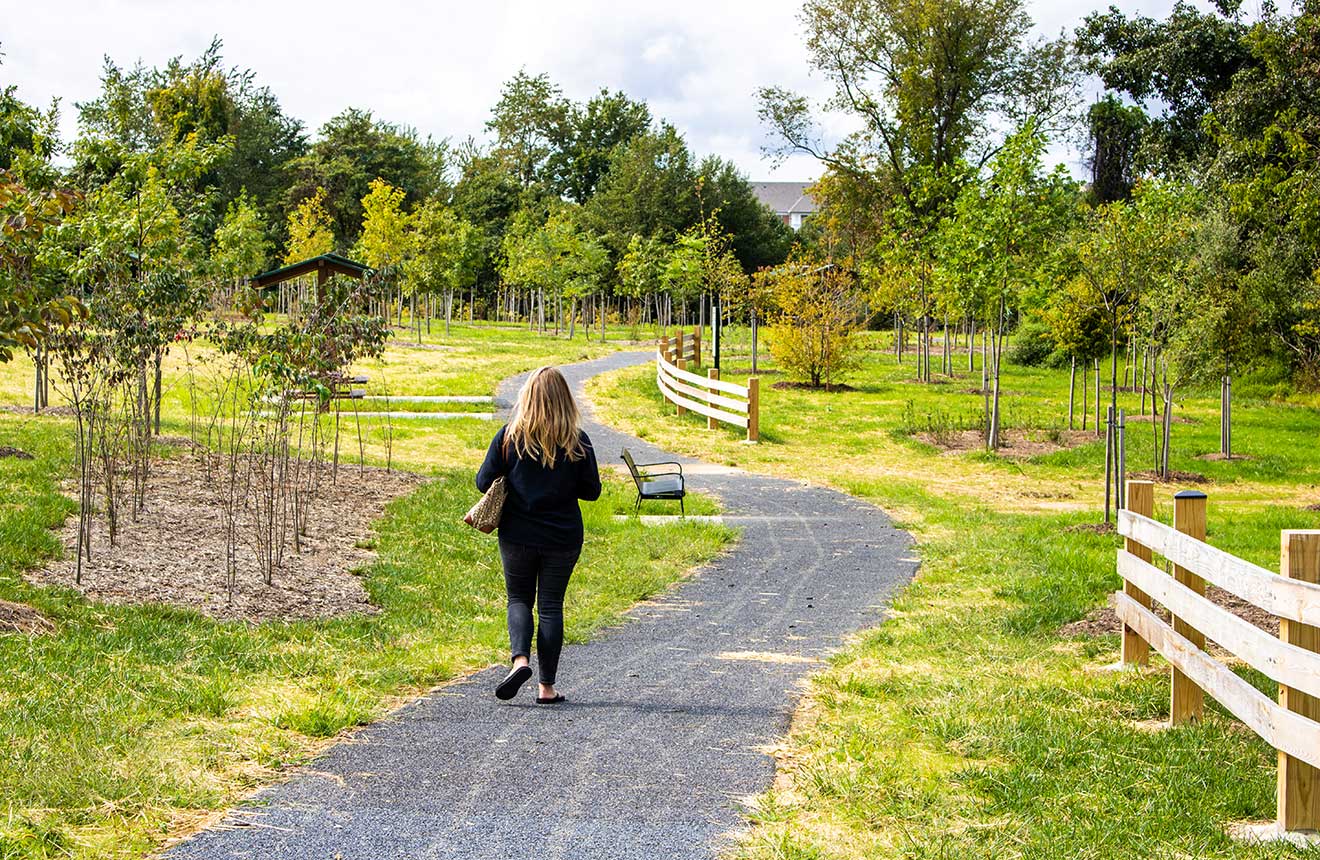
x=632, y=467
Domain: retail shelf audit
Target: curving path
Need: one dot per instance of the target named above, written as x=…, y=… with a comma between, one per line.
x=669, y=715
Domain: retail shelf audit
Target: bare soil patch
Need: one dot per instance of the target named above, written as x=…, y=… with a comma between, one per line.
x=175, y=552
x=807, y=386
x=1102, y=620
x=1177, y=419
x=20, y=618
x=10, y=452
x=1091, y=528
x=21, y=409
x=1175, y=477
x=1015, y=444
x=425, y=347
x=1218, y=457
x=747, y=370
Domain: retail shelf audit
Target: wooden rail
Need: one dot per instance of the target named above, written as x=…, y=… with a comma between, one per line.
x=720, y=401
x=1290, y=725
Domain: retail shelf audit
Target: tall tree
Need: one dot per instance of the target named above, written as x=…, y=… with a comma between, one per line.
x=354, y=149
x=310, y=229
x=1180, y=66
x=758, y=237
x=649, y=190
x=529, y=123
x=141, y=109
x=1115, y=132
x=588, y=136
x=928, y=80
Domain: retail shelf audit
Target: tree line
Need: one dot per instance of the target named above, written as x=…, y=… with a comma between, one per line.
x=1191, y=253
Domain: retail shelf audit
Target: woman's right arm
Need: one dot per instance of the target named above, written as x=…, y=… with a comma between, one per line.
x=493, y=466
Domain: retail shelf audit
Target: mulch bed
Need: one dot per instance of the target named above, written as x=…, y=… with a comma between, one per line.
x=10, y=452
x=807, y=386
x=1016, y=444
x=19, y=618
x=175, y=552
x=1101, y=621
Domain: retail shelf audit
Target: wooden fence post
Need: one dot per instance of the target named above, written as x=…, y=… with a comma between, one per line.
x=712, y=373
x=1186, y=699
x=1140, y=497
x=664, y=346
x=696, y=345
x=1299, y=782
x=682, y=365
x=754, y=409
x=678, y=348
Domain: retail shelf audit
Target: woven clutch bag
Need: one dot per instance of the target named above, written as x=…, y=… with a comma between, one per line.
x=485, y=514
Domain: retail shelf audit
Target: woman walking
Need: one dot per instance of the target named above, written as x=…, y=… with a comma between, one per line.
x=548, y=465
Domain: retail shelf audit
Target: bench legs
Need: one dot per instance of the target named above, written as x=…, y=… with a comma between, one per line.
x=682, y=509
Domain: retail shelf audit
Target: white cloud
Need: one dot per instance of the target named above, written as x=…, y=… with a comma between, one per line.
x=439, y=67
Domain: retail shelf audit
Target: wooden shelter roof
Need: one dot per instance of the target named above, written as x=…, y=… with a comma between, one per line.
x=323, y=265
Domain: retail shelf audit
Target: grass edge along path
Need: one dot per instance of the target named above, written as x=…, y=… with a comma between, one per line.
x=966, y=725
x=130, y=724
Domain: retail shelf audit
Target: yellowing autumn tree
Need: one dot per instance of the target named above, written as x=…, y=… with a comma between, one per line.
x=384, y=239
x=814, y=333
x=309, y=229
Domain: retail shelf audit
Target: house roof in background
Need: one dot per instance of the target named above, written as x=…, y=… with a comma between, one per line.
x=785, y=197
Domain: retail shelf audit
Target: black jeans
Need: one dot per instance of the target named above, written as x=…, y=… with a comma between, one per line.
x=537, y=575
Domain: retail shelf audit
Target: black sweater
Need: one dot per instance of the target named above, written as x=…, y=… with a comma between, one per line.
x=541, y=508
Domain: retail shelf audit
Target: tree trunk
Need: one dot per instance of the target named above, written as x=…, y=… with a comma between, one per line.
x=1072, y=390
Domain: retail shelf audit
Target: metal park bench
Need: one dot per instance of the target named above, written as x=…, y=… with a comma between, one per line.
x=656, y=485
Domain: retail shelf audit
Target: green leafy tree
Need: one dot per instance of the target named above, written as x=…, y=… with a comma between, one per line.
x=352, y=151
x=1130, y=257
x=241, y=247
x=1115, y=136
x=32, y=299
x=1180, y=66
x=446, y=254
x=529, y=123
x=927, y=81
x=586, y=138
x=649, y=190
x=1006, y=227
x=141, y=109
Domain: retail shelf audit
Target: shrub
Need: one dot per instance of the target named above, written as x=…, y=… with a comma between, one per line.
x=1033, y=345
x=814, y=336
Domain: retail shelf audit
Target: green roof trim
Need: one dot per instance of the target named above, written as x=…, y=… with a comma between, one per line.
x=335, y=263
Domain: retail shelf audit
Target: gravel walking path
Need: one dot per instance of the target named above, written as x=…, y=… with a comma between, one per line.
x=669, y=715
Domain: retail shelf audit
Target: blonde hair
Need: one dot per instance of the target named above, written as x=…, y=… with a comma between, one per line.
x=545, y=420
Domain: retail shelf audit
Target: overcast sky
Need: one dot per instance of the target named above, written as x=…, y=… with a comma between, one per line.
x=439, y=66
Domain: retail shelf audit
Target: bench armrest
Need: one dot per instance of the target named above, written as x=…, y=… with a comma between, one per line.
x=649, y=465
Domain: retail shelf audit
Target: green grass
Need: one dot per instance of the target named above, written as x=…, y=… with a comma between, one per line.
x=130, y=723
x=966, y=725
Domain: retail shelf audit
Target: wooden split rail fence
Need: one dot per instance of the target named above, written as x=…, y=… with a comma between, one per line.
x=1290, y=724
x=718, y=400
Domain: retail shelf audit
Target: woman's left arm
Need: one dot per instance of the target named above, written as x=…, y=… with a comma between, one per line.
x=588, y=473
x=494, y=465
